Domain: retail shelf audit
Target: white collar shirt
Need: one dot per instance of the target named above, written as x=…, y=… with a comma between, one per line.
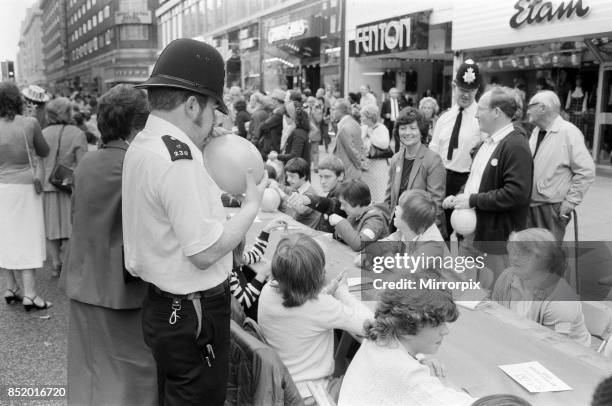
x=394, y=108
x=469, y=137
x=481, y=160
x=171, y=210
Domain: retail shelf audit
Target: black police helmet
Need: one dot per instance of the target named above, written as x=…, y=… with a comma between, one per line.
x=191, y=65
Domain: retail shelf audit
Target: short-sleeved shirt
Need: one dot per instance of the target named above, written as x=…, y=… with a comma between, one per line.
x=171, y=210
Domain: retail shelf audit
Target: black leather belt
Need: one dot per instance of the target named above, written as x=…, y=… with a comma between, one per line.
x=214, y=291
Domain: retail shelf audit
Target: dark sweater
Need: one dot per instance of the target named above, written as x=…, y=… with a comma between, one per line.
x=297, y=146
x=502, y=201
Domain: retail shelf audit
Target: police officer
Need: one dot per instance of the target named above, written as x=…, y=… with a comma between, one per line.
x=175, y=233
x=457, y=132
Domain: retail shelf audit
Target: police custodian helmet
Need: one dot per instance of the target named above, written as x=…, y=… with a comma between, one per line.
x=468, y=75
x=190, y=65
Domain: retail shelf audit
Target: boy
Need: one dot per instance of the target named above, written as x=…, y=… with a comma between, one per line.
x=365, y=222
x=331, y=174
x=297, y=172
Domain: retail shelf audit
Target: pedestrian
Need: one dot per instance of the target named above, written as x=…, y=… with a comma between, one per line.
x=367, y=97
x=35, y=100
x=390, y=110
x=176, y=236
x=270, y=131
x=242, y=118
x=457, y=132
x=349, y=145
x=563, y=168
x=68, y=144
x=499, y=185
x=258, y=103
x=108, y=361
x=297, y=145
x=22, y=232
x=428, y=106
x=376, y=146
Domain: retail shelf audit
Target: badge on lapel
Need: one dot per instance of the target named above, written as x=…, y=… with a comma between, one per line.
x=494, y=162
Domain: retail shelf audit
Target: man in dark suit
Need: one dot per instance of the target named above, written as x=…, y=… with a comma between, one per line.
x=500, y=181
x=390, y=110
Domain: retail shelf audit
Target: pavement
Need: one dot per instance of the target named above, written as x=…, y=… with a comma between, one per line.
x=33, y=346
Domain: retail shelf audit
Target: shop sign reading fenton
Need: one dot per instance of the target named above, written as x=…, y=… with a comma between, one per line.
x=536, y=11
x=383, y=36
x=287, y=31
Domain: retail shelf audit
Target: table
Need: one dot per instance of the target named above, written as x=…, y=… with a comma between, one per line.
x=482, y=339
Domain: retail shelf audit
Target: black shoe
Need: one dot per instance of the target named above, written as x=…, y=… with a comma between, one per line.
x=33, y=305
x=13, y=296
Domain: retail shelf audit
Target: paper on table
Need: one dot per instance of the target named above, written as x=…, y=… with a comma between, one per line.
x=353, y=281
x=534, y=377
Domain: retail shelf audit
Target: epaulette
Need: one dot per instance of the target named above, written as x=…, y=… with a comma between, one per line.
x=178, y=150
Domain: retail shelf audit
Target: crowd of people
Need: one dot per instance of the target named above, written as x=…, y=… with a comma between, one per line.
x=152, y=266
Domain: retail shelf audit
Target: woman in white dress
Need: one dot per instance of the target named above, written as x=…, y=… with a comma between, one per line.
x=376, y=144
x=22, y=229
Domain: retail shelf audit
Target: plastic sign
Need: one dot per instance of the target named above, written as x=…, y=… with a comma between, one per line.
x=536, y=11
x=287, y=31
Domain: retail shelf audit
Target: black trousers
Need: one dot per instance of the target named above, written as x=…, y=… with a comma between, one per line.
x=454, y=183
x=190, y=370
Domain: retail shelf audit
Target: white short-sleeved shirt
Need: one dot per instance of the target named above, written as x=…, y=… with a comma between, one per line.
x=171, y=210
x=469, y=137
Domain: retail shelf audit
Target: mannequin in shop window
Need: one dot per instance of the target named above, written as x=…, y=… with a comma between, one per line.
x=411, y=85
x=388, y=80
x=576, y=103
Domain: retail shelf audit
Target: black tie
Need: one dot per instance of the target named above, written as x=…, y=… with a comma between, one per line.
x=541, y=135
x=454, y=139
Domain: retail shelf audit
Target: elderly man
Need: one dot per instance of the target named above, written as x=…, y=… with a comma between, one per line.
x=457, y=132
x=563, y=168
x=366, y=96
x=389, y=111
x=499, y=184
x=349, y=145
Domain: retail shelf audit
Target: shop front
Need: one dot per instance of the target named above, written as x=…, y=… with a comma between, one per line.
x=401, y=45
x=558, y=45
x=301, y=47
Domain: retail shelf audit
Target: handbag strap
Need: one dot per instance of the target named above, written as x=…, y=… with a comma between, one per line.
x=28, y=151
x=59, y=142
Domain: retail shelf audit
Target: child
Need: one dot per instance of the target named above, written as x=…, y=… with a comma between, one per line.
x=297, y=172
x=331, y=173
x=298, y=318
x=389, y=367
x=365, y=222
x=246, y=284
x=533, y=285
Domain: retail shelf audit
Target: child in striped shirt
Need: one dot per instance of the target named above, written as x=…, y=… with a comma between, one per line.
x=246, y=283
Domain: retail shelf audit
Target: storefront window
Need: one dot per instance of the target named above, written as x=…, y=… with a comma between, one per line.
x=301, y=48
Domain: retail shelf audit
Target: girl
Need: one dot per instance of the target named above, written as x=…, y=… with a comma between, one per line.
x=298, y=316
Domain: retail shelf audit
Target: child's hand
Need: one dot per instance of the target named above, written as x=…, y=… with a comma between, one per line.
x=297, y=199
x=274, y=224
x=273, y=156
x=263, y=269
x=435, y=367
x=334, y=219
x=336, y=283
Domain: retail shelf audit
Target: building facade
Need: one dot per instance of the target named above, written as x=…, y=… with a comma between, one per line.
x=54, y=42
x=406, y=45
x=30, y=63
x=265, y=43
x=109, y=42
x=553, y=45
x=7, y=70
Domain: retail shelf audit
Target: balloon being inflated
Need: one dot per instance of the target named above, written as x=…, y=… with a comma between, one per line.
x=227, y=159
